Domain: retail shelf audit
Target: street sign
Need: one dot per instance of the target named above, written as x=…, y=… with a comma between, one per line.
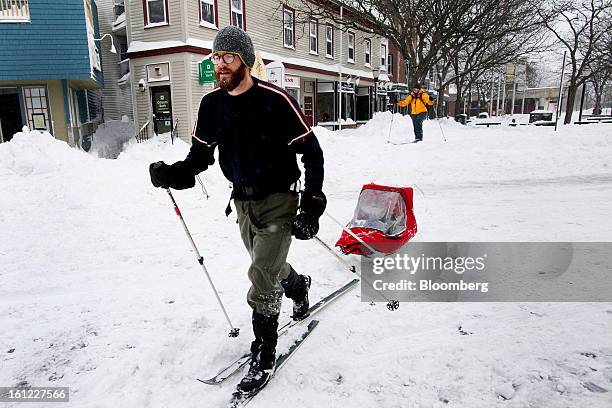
x=275, y=71
x=206, y=72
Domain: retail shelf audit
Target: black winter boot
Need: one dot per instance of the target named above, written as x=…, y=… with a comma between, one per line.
x=296, y=288
x=264, y=353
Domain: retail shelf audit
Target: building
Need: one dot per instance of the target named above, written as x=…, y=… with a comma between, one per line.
x=50, y=68
x=525, y=100
x=329, y=72
x=117, y=92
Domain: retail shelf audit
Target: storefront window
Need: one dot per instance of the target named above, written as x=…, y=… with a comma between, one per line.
x=295, y=94
x=348, y=105
x=362, y=104
x=325, y=107
x=381, y=102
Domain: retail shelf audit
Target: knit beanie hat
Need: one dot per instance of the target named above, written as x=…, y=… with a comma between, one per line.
x=233, y=39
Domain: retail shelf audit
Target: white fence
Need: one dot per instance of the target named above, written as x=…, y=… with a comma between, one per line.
x=14, y=11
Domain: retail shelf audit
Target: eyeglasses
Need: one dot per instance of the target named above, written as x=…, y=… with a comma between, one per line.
x=228, y=58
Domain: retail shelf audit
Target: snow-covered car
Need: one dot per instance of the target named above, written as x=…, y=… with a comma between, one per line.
x=540, y=115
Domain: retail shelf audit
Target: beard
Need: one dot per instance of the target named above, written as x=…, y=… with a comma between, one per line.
x=235, y=78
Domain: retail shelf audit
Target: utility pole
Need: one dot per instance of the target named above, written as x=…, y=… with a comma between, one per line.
x=498, y=91
x=586, y=73
x=560, y=91
x=491, y=100
x=513, y=91
x=504, y=93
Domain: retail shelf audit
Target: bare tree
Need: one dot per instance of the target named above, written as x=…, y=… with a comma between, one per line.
x=601, y=68
x=579, y=27
x=426, y=31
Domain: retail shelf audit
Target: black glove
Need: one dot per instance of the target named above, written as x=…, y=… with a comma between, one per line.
x=177, y=176
x=313, y=203
x=306, y=223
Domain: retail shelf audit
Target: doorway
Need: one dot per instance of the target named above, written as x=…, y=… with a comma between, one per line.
x=10, y=114
x=162, y=109
x=308, y=110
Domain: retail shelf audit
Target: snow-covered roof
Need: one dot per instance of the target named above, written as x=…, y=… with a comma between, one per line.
x=318, y=65
x=200, y=43
x=119, y=23
x=541, y=111
x=140, y=46
x=123, y=79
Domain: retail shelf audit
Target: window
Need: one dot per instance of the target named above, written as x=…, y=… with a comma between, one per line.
x=314, y=37
x=390, y=64
x=351, y=47
x=156, y=12
x=37, y=111
x=329, y=41
x=237, y=12
x=288, y=28
x=348, y=105
x=383, y=56
x=208, y=13
x=367, y=51
x=326, y=106
x=119, y=7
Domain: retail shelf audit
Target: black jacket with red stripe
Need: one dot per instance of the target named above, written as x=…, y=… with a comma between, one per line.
x=258, y=134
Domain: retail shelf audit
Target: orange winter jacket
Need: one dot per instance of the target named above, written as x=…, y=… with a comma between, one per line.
x=417, y=102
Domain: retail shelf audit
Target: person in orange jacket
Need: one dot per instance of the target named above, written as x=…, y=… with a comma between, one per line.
x=418, y=101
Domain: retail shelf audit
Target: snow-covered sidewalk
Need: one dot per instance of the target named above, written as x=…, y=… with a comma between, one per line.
x=99, y=290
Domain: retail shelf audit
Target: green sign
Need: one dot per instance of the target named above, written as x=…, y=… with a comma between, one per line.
x=206, y=72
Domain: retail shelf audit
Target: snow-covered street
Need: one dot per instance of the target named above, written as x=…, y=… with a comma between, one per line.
x=100, y=291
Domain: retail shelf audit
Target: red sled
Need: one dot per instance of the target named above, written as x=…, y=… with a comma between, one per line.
x=384, y=220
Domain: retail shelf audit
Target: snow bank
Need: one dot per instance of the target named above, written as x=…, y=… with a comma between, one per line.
x=32, y=152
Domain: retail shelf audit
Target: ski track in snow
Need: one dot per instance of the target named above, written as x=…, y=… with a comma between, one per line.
x=100, y=291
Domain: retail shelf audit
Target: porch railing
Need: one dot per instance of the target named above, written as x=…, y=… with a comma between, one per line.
x=14, y=11
x=174, y=133
x=143, y=133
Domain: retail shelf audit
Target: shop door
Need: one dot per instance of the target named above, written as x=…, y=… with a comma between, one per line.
x=10, y=114
x=308, y=110
x=162, y=109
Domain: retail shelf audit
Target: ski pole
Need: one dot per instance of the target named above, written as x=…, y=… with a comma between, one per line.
x=390, y=126
x=391, y=304
x=234, y=331
x=203, y=188
x=439, y=124
x=338, y=257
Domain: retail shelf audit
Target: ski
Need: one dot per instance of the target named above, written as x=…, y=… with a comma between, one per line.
x=240, y=399
x=244, y=359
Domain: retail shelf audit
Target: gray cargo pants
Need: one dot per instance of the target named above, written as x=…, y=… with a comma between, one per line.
x=265, y=228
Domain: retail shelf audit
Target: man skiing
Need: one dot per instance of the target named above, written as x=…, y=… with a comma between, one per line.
x=259, y=129
x=418, y=101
